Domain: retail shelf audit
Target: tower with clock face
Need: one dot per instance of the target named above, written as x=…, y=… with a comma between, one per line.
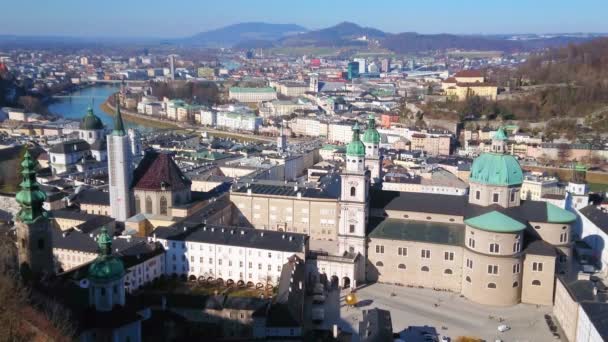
x=354, y=199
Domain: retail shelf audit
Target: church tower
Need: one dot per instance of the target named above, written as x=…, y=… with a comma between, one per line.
x=120, y=169
x=106, y=277
x=373, y=159
x=34, y=236
x=354, y=199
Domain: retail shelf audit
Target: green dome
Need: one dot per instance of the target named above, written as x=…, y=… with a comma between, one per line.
x=106, y=267
x=496, y=169
x=355, y=148
x=91, y=121
x=371, y=135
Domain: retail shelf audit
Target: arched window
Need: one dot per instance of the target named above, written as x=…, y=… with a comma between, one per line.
x=353, y=191
x=536, y=282
x=447, y=271
x=402, y=266
x=148, y=205
x=468, y=279
x=491, y=285
x=379, y=264
x=515, y=284
x=424, y=269
x=137, y=205
x=163, y=205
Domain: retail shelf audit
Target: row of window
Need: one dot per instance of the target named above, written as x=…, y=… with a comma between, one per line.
x=424, y=253
x=494, y=248
x=148, y=208
x=496, y=196
x=515, y=284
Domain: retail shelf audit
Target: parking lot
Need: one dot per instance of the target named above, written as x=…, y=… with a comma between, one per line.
x=448, y=313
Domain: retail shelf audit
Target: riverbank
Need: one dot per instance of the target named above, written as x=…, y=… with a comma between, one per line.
x=139, y=119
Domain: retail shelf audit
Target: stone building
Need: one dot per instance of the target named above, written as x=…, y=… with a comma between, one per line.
x=493, y=247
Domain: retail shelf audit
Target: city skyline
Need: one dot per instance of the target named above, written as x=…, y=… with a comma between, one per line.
x=151, y=19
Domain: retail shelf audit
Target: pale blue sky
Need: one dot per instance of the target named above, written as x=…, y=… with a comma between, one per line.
x=177, y=18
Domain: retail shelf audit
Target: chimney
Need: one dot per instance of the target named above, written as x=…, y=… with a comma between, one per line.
x=185, y=228
x=283, y=236
x=335, y=331
x=295, y=188
x=594, y=290
x=299, y=195
x=249, y=192
x=291, y=238
x=242, y=232
x=261, y=233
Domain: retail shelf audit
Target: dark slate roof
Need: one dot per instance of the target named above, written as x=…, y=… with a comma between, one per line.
x=93, y=196
x=140, y=252
x=70, y=146
x=421, y=231
x=376, y=326
x=282, y=190
x=428, y=203
x=91, y=223
x=232, y=236
x=540, y=247
x=156, y=169
x=85, y=242
x=595, y=215
x=598, y=315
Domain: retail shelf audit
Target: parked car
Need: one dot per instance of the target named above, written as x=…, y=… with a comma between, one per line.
x=503, y=328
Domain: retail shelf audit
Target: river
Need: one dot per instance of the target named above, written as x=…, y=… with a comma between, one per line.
x=75, y=107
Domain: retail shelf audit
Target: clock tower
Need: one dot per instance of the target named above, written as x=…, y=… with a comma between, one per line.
x=354, y=199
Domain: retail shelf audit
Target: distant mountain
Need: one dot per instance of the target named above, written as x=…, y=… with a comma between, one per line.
x=238, y=33
x=343, y=34
x=413, y=42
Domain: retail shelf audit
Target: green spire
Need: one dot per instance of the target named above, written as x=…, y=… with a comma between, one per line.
x=30, y=197
x=106, y=267
x=371, y=135
x=119, y=127
x=104, y=241
x=355, y=147
x=500, y=135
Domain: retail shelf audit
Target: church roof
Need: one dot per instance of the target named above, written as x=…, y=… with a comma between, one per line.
x=496, y=169
x=371, y=135
x=91, y=121
x=157, y=171
x=355, y=147
x=497, y=222
x=106, y=267
x=556, y=214
x=70, y=146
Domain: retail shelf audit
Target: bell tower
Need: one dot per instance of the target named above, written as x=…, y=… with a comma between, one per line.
x=354, y=199
x=34, y=236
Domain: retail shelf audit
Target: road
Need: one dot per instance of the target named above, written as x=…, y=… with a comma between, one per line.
x=413, y=307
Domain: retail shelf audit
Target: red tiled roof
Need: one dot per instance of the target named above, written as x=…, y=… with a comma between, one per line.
x=450, y=80
x=469, y=73
x=157, y=169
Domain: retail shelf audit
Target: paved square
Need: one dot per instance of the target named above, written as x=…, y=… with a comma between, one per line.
x=461, y=317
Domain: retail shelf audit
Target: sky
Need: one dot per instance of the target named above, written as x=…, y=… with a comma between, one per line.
x=181, y=18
